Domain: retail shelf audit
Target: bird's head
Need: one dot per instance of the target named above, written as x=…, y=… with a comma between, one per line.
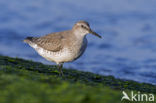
x=83, y=28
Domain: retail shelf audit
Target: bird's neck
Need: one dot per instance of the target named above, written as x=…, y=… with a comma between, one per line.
x=79, y=34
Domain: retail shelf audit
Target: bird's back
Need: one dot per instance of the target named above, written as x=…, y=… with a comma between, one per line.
x=51, y=42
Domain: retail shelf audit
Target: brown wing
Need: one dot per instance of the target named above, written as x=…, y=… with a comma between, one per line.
x=51, y=42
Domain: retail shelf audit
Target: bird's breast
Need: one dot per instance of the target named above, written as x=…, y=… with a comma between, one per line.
x=77, y=48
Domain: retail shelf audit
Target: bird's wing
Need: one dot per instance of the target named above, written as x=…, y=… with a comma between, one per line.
x=51, y=42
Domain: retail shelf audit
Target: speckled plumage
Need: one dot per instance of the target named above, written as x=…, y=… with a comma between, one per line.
x=63, y=46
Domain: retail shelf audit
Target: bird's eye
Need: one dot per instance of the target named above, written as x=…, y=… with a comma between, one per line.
x=82, y=26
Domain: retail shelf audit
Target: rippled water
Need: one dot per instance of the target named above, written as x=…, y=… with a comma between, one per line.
x=128, y=27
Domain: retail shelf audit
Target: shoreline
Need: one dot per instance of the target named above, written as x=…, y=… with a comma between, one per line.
x=25, y=73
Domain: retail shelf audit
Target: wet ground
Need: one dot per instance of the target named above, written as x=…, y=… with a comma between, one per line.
x=128, y=27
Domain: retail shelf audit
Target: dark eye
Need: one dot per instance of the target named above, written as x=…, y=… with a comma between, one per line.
x=82, y=26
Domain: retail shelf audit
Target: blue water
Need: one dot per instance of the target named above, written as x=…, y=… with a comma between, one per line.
x=128, y=28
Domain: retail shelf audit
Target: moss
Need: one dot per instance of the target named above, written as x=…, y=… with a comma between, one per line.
x=23, y=81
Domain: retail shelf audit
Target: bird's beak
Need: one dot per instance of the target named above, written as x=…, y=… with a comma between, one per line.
x=94, y=33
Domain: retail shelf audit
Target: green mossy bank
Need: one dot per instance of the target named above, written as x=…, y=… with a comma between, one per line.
x=23, y=81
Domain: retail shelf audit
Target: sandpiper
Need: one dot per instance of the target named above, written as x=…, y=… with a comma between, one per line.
x=65, y=46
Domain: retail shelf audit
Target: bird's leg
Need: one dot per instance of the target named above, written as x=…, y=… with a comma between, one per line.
x=60, y=69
